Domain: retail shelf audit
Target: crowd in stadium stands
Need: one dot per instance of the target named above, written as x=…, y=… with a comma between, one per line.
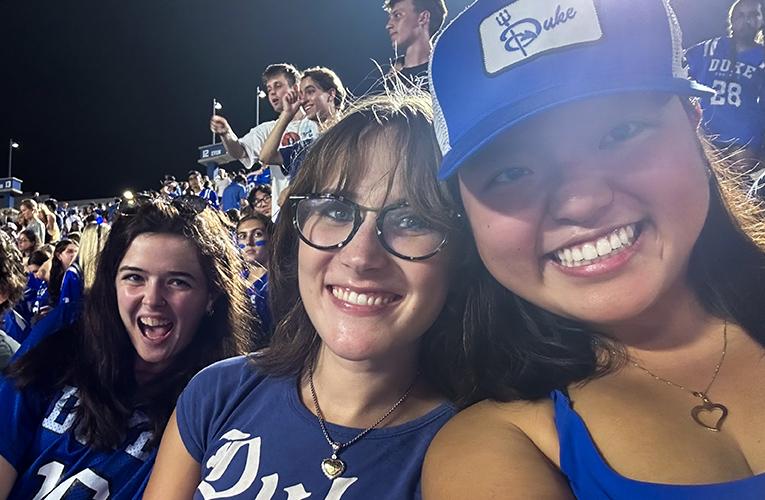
x=338, y=253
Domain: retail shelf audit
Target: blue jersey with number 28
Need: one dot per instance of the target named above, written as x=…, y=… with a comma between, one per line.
x=736, y=113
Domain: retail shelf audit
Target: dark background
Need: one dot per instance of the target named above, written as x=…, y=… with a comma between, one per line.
x=109, y=95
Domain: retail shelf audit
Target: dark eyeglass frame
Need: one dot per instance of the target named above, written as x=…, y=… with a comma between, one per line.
x=357, y=221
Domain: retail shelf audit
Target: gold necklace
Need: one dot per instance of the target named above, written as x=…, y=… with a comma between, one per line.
x=333, y=466
x=707, y=405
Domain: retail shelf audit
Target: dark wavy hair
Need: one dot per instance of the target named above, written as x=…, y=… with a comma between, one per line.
x=290, y=72
x=517, y=350
x=13, y=279
x=404, y=121
x=97, y=357
x=57, y=270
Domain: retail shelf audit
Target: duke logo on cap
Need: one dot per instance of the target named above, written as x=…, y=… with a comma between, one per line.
x=522, y=30
x=501, y=62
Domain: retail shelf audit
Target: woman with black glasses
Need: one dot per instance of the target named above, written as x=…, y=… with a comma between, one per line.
x=345, y=400
x=82, y=412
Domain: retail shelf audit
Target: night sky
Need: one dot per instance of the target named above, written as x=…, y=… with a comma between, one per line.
x=106, y=96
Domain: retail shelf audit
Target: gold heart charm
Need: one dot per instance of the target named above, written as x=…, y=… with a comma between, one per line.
x=332, y=467
x=710, y=408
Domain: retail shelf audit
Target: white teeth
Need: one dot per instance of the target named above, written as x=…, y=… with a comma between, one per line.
x=623, y=236
x=585, y=253
x=589, y=251
x=154, y=322
x=603, y=247
x=615, y=241
x=361, y=299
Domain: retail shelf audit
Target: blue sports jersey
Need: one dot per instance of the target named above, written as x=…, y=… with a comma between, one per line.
x=233, y=196
x=210, y=195
x=258, y=295
x=254, y=438
x=39, y=442
x=15, y=325
x=30, y=296
x=259, y=179
x=70, y=300
x=42, y=300
x=736, y=114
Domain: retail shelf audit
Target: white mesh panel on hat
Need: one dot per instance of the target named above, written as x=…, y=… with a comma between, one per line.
x=678, y=71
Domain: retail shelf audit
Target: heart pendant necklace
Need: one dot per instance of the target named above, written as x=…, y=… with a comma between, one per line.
x=708, y=414
x=332, y=467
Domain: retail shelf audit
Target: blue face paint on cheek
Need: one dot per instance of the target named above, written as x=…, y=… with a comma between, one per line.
x=260, y=243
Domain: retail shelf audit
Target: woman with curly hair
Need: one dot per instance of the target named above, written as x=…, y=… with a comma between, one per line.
x=12, y=282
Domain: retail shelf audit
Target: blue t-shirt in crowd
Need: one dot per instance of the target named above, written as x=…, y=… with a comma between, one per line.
x=263, y=178
x=30, y=296
x=15, y=325
x=232, y=196
x=254, y=439
x=70, y=300
x=736, y=114
x=39, y=442
x=591, y=478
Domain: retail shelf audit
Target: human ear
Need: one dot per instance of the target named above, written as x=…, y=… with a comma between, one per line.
x=424, y=18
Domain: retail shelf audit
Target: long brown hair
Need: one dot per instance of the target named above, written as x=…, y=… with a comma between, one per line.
x=97, y=356
x=404, y=121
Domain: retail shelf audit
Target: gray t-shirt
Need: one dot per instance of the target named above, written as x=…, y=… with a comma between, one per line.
x=8, y=348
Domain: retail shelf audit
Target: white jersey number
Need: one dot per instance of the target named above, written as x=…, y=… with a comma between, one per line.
x=727, y=93
x=52, y=490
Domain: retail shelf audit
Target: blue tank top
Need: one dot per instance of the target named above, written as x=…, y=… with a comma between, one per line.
x=592, y=478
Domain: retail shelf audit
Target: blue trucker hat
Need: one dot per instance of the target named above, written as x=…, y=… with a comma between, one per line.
x=502, y=61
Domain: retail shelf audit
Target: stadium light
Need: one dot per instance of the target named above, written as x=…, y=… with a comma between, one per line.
x=128, y=195
x=259, y=94
x=11, y=146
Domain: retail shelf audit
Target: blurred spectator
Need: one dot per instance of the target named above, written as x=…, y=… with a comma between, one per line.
x=734, y=66
x=52, y=205
x=28, y=243
x=321, y=96
x=72, y=221
x=12, y=282
x=94, y=238
x=63, y=257
x=279, y=79
x=411, y=26
x=170, y=188
x=253, y=233
x=221, y=181
x=29, y=217
x=235, y=195
x=197, y=188
x=52, y=232
x=259, y=200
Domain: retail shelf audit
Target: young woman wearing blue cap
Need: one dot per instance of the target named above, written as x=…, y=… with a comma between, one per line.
x=346, y=398
x=618, y=325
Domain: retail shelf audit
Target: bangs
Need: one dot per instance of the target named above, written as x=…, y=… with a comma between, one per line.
x=402, y=129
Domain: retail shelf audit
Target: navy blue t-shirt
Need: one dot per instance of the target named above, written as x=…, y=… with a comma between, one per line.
x=254, y=439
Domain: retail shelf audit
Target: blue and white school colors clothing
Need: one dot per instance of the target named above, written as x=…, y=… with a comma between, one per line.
x=254, y=439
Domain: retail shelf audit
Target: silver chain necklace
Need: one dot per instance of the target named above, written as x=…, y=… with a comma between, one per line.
x=333, y=466
x=706, y=406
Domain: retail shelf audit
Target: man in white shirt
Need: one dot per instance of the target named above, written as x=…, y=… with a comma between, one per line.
x=279, y=79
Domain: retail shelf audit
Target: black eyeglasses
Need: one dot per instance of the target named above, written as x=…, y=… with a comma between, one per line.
x=329, y=221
